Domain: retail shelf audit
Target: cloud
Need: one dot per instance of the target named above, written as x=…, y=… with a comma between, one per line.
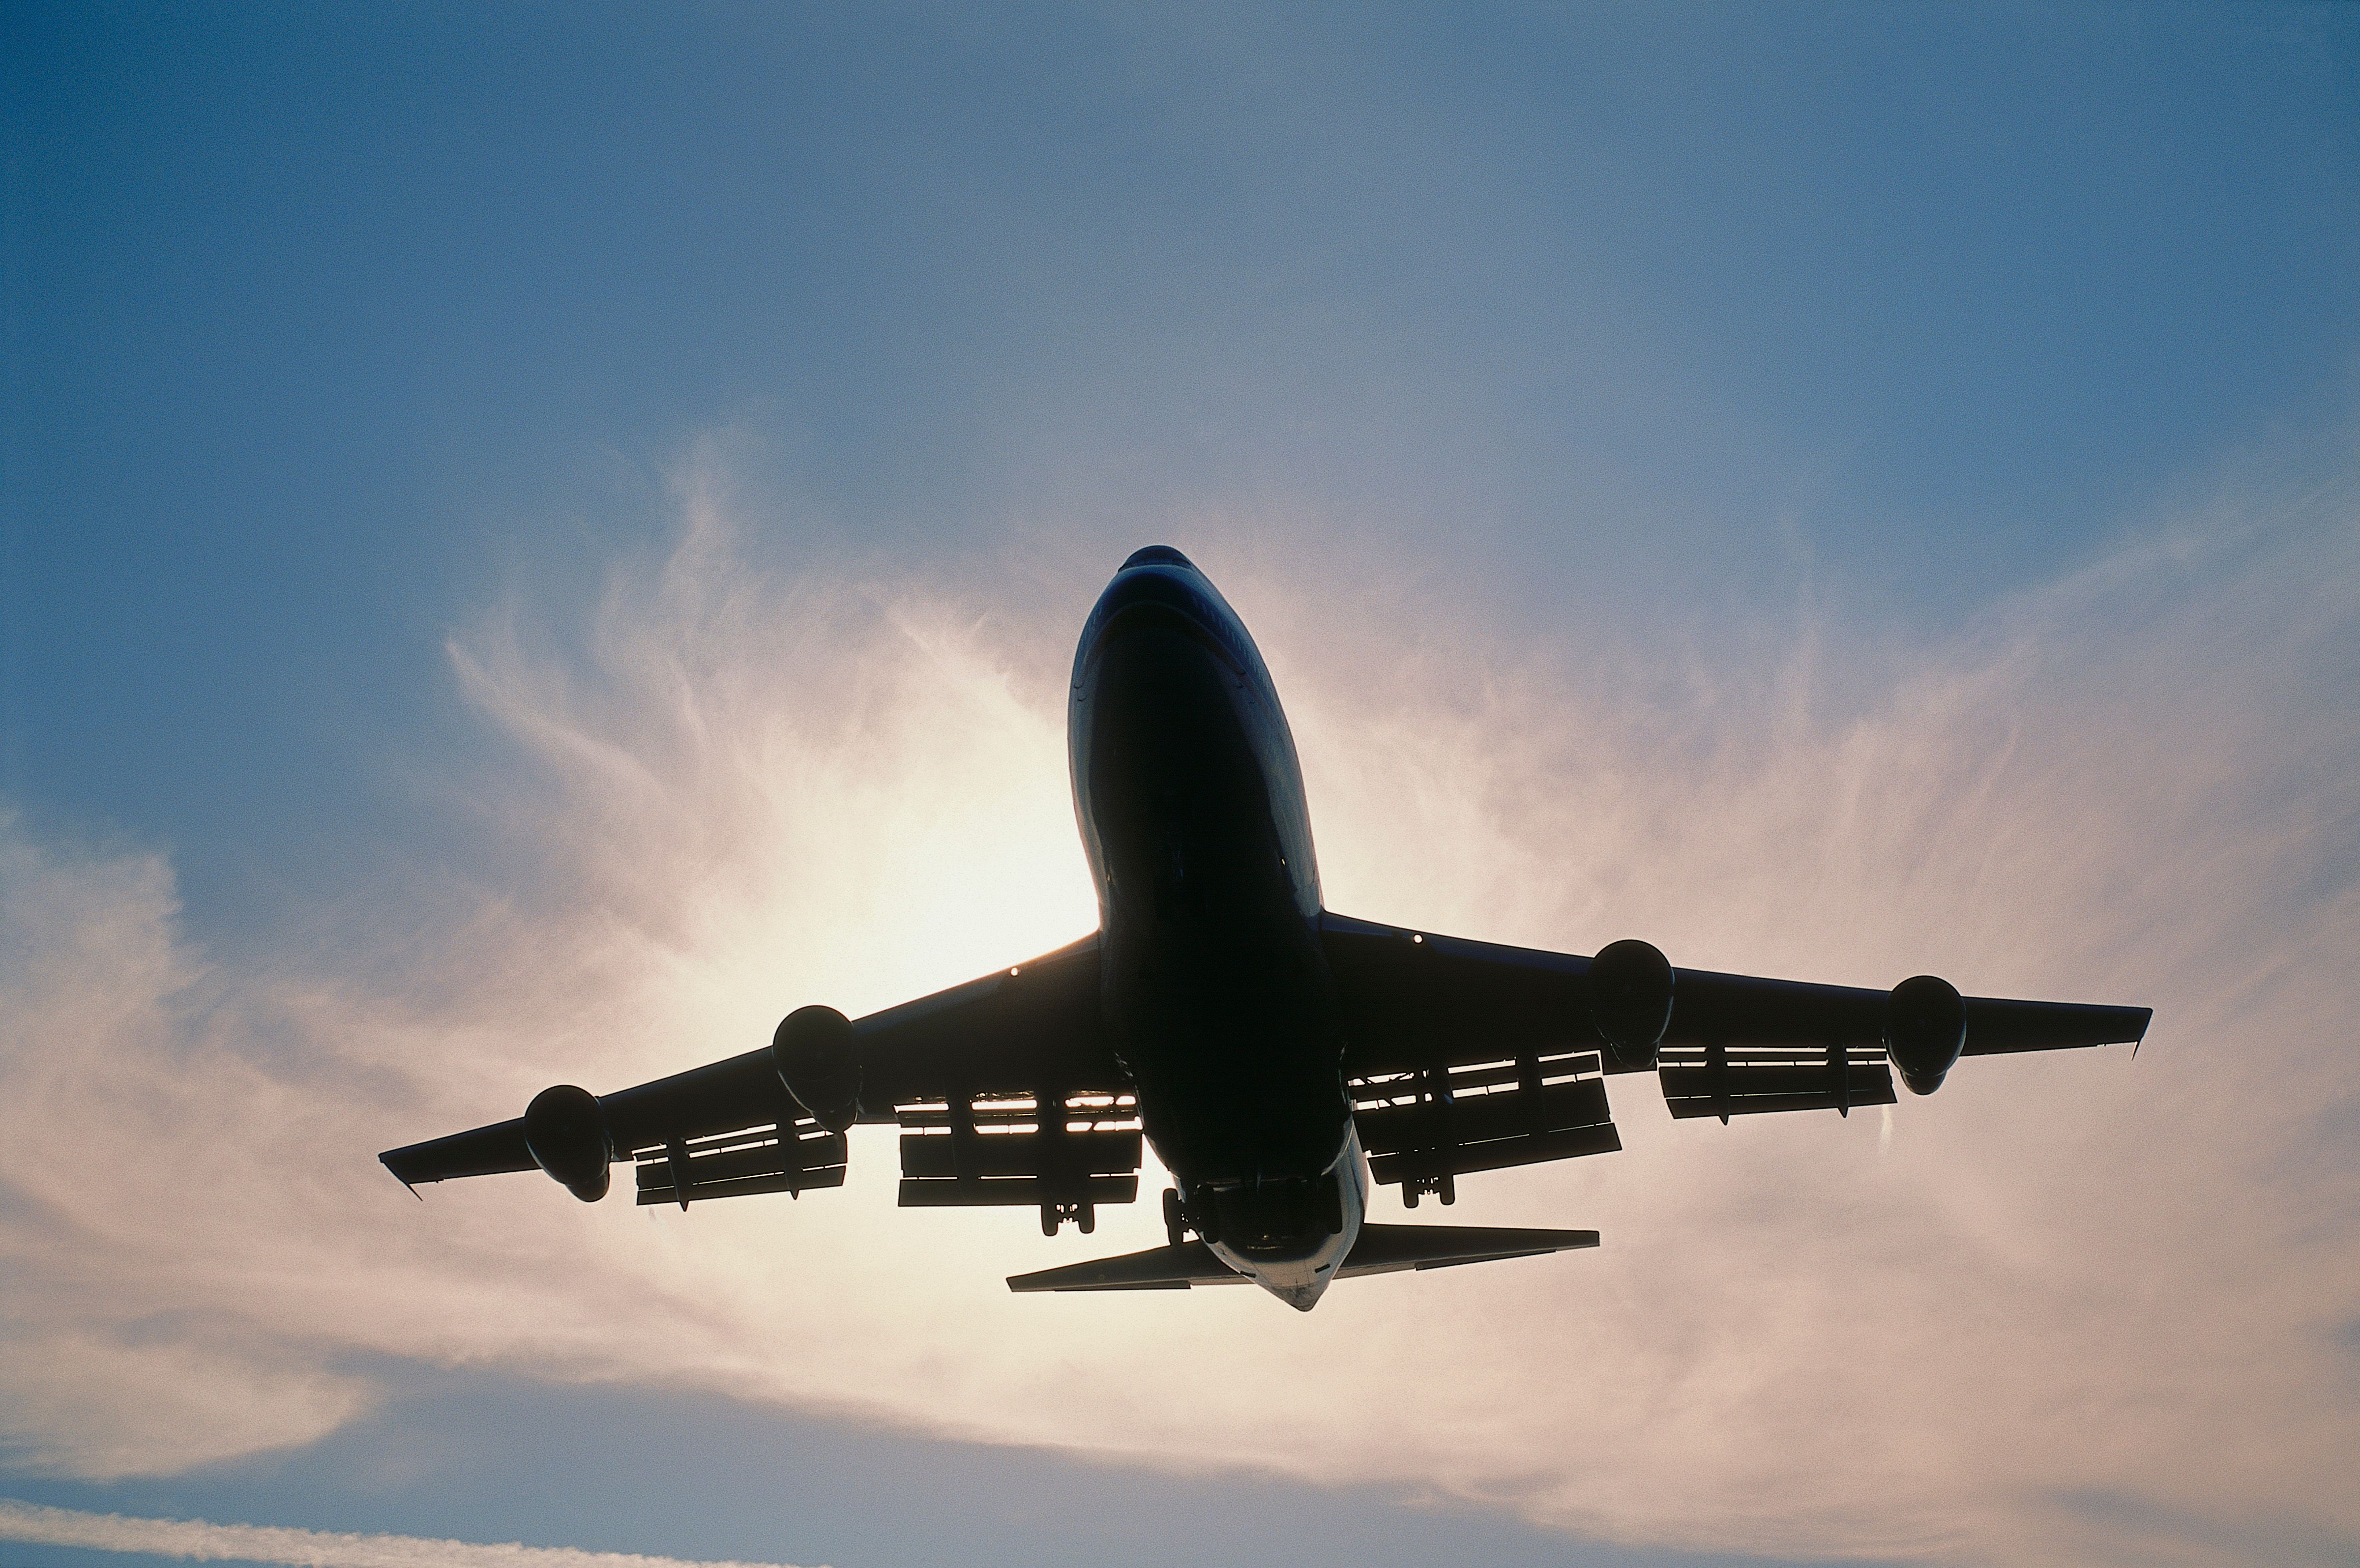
x=209, y=1542
x=716, y=793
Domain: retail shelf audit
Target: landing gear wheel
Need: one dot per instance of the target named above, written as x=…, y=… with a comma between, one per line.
x=1086, y=1217
x=1175, y=1218
x=1205, y=1220
x=1445, y=1189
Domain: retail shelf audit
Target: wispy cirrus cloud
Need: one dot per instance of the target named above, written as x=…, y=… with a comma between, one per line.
x=203, y=1542
x=716, y=794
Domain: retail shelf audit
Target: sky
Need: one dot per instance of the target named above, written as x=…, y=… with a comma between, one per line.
x=535, y=539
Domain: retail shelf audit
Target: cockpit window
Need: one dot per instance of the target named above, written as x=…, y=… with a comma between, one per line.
x=1157, y=555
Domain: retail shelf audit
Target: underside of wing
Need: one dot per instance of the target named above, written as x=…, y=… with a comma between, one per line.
x=1468, y=1056
x=1004, y=1087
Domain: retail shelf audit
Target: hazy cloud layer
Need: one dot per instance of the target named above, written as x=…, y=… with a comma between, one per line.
x=2081, y=1308
x=207, y=1542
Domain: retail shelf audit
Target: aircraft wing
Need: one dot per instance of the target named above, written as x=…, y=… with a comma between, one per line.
x=1469, y=1056
x=962, y=1072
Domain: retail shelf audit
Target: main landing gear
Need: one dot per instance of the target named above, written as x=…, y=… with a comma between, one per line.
x=1055, y=1216
x=1444, y=1187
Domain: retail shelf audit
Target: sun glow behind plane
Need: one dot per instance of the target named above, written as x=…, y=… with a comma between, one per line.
x=734, y=796
x=1829, y=499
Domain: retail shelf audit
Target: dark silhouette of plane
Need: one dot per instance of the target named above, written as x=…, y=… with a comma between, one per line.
x=1277, y=1055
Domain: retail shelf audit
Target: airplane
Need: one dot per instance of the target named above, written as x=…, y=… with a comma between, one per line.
x=1279, y=1057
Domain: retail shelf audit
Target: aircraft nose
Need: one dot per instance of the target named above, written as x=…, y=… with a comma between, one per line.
x=1158, y=594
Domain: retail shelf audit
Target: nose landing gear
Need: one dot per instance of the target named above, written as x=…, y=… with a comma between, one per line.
x=1203, y=1217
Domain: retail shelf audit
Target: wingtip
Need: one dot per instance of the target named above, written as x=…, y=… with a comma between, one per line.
x=386, y=1160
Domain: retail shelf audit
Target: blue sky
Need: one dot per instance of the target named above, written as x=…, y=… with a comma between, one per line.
x=503, y=502
x=325, y=322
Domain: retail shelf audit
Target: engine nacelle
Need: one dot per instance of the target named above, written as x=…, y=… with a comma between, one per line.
x=1631, y=1000
x=1925, y=1029
x=819, y=1062
x=566, y=1128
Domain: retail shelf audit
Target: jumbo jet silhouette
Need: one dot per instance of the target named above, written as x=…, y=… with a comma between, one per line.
x=1277, y=1055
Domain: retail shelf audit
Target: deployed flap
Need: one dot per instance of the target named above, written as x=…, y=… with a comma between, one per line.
x=1380, y=1249
x=793, y=1156
x=1718, y=1081
x=1450, y=1121
x=969, y=1152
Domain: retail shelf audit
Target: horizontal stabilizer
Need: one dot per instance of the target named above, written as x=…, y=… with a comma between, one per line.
x=1389, y=1249
x=1158, y=1268
x=1380, y=1249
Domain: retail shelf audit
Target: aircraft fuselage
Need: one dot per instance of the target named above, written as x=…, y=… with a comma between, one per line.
x=1217, y=992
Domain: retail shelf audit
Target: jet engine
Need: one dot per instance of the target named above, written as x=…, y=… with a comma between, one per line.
x=819, y=1062
x=1925, y=1029
x=1631, y=1000
x=565, y=1129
